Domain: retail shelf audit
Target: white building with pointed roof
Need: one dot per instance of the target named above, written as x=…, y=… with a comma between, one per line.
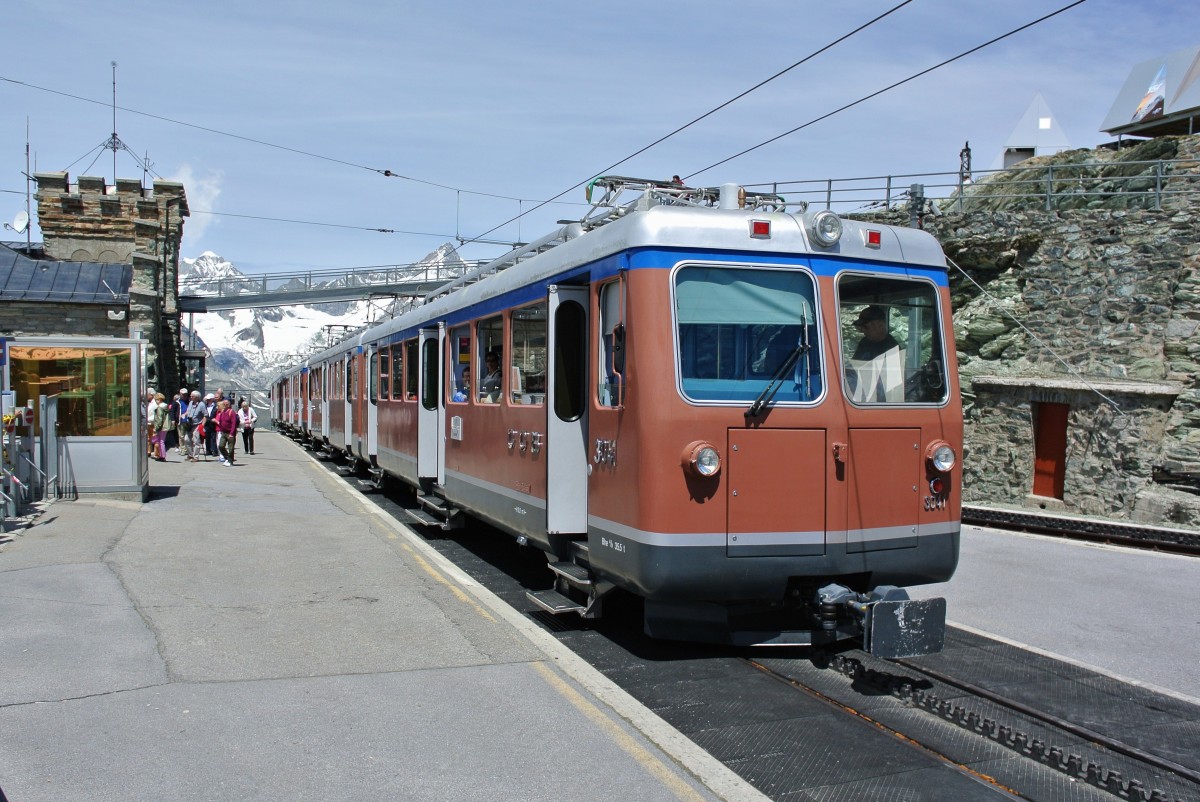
x=1037, y=134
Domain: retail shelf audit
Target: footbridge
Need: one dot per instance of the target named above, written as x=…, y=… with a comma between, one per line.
x=213, y=294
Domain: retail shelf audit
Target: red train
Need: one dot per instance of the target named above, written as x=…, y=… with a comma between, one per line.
x=746, y=416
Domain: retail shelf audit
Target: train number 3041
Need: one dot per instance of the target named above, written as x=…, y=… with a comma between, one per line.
x=935, y=503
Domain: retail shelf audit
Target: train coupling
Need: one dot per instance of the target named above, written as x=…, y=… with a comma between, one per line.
x=893, y=625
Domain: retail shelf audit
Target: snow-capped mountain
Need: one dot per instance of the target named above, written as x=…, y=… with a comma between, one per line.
x=249, y=347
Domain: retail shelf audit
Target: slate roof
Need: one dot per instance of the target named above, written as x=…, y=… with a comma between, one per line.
x=25, y=278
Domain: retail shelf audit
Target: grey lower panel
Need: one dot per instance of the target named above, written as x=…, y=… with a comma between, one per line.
x=700, y=573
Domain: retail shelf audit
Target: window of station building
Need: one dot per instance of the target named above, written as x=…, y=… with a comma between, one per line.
x=746, y=331
x=489, y=349
x=397, y=371
x=893, y=349
x=527, y=355
x=611, y=321
x=411, y=366
x=459, y=369
x=92, y=385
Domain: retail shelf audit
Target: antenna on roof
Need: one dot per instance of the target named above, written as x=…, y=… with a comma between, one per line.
x=115, y=143
x=19, y=223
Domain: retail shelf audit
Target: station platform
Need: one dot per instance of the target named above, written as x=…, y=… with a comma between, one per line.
x=260, y=632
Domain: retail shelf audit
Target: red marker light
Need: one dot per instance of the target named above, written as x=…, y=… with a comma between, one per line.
x=937, y=486
x=874, y=238
x=760, y=229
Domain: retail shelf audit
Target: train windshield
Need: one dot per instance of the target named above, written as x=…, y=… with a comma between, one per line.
x=740, y=328
x=892, y=348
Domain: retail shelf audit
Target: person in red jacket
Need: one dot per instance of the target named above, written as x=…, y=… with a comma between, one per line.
x=226, y=421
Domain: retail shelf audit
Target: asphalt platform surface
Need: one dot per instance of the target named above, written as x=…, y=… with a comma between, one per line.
x=259, y=632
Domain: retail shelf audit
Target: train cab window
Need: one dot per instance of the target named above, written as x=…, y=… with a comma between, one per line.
x=397, y=372
x=892, y=341
x=612, y=344
x=742, y=330
x=527, y=361
x=489, y=359
x=410, y=370
x=459, y=370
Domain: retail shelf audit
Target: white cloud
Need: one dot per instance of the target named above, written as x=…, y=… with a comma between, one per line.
x=202, y=193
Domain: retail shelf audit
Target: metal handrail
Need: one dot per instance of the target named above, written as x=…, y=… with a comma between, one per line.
x=1050, y=186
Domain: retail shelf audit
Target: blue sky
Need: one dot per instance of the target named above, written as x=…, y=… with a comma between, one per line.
x=524, y=100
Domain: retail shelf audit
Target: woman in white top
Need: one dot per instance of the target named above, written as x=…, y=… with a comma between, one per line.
x=246, y=418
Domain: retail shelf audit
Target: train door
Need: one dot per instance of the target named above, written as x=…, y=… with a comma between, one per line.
x=566, y=411
x=431, y=413
x=371, y=419
x=349, y=375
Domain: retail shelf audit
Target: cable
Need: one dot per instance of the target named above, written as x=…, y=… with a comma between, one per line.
x=889, y=88
x=1070, y=369
x=330, y=225
x=709, y=113
x=381, y=171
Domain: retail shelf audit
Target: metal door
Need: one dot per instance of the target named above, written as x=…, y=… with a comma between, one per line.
x=431, y=411
x=884, y=471
x=566, y=411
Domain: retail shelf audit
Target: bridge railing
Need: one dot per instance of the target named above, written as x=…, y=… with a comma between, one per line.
x=1078, y=185
x=308, y=280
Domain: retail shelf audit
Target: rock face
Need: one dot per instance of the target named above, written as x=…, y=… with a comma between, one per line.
x=1106, y=289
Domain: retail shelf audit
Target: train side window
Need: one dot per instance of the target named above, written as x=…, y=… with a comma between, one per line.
x=458, y=372
x=397, y=371
x=373, y=378
x=489, y=344
x=527, y=349
x=570, y=361
x=384, y=355
x=429, y=364
x=892, y=340
x=612, y=344
x=411, y=364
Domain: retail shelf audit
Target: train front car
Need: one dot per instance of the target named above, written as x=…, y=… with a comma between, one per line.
x=776, y=429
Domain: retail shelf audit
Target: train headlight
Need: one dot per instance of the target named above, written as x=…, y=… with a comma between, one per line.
x=941, y=456
x=702, y=459
x=825, y=228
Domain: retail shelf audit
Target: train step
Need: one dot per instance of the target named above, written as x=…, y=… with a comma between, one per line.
x=420, y=517
x=554, y=602
x=435, y=511
x=574, y=574
x=373, y=483
x=348, y=469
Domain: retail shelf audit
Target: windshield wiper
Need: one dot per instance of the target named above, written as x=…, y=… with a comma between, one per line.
x=776, y=382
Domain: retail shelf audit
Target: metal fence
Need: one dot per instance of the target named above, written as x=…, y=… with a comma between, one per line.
x=1081, y=185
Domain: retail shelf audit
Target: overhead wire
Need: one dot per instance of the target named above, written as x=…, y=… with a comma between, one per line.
x=318, y=223
x=888, y=88
x=381, y=171
x=707, y=114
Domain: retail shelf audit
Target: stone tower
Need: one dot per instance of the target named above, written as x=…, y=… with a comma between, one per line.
x=127, y=223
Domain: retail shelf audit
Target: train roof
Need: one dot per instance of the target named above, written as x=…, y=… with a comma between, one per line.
x=663, y=216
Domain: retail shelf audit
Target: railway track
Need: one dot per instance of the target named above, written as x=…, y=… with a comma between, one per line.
x=839, y=724
x=1177, y=541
